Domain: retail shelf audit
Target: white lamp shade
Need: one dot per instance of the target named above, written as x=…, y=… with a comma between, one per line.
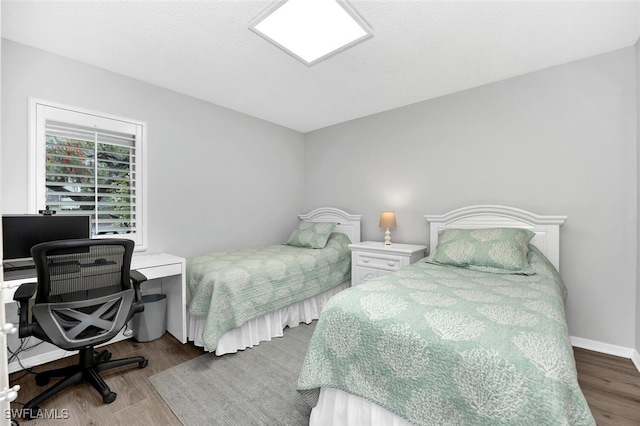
x=388, y=220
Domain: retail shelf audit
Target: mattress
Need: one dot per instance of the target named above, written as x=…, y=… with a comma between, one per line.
x=229, y=288
x=447, y=345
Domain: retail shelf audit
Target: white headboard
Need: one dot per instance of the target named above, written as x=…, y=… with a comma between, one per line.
x=347, y=223
x=547, y=228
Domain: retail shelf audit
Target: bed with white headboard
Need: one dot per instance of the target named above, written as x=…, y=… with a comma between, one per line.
x=271, y=324
x=346, y=223
x=455, y=344
x=547, y=227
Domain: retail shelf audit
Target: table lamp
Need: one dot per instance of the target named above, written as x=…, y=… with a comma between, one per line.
x=387, y=220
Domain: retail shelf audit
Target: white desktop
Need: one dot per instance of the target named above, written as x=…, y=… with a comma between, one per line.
x=165, y=274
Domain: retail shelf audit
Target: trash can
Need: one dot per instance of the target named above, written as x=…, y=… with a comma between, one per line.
x=151, y=323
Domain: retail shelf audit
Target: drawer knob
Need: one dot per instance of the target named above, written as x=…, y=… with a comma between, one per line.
x=365, y=259
x=367, y=277
x=391, y=263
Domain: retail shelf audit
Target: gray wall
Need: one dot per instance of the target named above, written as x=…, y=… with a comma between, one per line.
x=558, y=141
x=216, y=178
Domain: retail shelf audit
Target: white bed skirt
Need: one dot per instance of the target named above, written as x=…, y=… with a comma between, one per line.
x=339, y=408
x=265, y=327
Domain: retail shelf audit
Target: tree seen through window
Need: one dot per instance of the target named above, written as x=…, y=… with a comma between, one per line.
x=92, y=177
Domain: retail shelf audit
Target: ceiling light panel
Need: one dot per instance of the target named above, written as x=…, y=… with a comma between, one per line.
x=311, y=30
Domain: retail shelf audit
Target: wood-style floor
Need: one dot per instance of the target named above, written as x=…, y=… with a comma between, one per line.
x=610, y=384
x=612, y=387
x=137, y=403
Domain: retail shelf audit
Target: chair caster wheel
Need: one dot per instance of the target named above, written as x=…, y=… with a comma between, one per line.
x=109, y=398
x=103, y=356
x=42, y=379
x=143, y=364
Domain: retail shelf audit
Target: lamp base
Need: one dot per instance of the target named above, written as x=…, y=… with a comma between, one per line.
x=387, y=237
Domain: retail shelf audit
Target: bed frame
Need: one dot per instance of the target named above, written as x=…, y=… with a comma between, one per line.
x=272, y=324
x=547, y=228
x=547, y=239
x=346, y=223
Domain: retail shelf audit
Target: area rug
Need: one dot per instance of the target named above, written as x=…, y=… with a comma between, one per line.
x=256, y=386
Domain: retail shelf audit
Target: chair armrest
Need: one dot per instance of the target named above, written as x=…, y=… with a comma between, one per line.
x=137, y=278
x=22, y=296
x=25, y=292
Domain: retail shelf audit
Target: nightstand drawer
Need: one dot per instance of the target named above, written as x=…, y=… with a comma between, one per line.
x=378, y=261
x=372, y=259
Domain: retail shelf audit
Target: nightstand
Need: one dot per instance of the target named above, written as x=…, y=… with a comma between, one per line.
x=371, y=259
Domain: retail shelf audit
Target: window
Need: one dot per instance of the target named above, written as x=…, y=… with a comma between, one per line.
x=90, y=163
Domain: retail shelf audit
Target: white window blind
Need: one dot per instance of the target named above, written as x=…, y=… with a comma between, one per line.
x=90, y=164
x=91, y=171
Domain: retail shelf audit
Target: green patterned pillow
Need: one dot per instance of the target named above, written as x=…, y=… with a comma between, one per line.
x=497, y=250
x=311, y=234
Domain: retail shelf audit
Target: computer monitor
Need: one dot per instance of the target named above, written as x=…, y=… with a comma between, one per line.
x=21, y=232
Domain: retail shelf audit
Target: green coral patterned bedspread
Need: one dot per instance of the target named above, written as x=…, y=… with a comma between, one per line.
x=229, y=288
x=441, y=345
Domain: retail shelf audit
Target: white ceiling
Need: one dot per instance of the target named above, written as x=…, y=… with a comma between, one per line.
x=420, y=49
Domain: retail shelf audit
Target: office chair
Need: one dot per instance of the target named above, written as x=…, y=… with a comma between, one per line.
x=86, y=293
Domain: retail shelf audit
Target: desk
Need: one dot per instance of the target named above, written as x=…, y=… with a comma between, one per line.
x=165, y=274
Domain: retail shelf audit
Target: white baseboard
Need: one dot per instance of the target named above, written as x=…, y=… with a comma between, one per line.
x=34, y=360
x=607, y=348
x=635, y=357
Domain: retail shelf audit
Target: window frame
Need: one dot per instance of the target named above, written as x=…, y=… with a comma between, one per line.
x=40, y=111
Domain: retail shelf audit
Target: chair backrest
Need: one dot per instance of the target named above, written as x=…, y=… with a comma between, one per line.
x=84, y=292
x=72, y=270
